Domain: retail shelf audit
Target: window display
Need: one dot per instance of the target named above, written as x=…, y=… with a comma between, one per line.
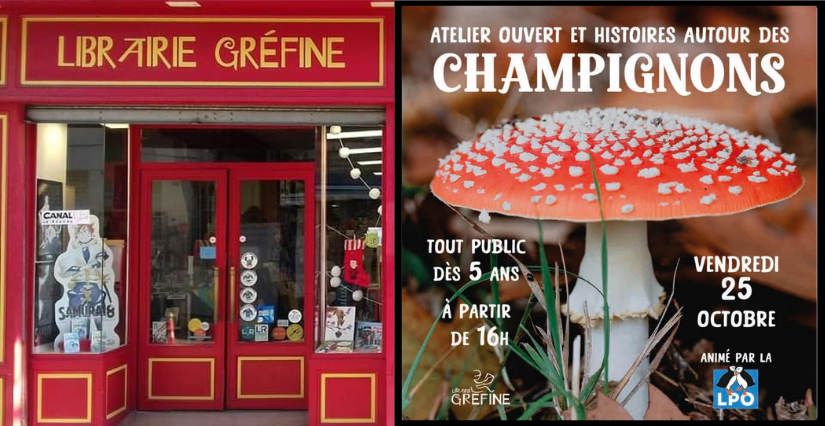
x=271, y=290
x=349, y=287
x=183, y=268
x=81, y=215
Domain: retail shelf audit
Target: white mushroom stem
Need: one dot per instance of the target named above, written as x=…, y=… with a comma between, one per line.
x=633, y=295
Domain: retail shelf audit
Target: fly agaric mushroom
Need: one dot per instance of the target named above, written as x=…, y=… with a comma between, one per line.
x=650, y=166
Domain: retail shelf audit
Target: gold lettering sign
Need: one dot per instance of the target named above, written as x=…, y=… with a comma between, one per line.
x=291, y=52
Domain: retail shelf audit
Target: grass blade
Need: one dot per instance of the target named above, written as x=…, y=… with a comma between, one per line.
x=606, y=321
x=552, y=314
x=534, y=406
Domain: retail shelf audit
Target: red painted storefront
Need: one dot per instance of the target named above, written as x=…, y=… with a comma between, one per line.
x=213, y=63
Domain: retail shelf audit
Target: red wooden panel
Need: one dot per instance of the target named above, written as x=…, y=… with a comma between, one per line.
x=64, y=397
x=116, y=388
x=270, y=377
x=348, y=397
x=189, y=379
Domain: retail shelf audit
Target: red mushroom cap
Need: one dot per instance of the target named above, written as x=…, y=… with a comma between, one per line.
x=650, y=166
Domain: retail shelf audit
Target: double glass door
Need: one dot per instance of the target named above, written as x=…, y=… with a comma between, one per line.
x=226, y=263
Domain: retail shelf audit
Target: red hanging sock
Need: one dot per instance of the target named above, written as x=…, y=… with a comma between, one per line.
x=353, y=270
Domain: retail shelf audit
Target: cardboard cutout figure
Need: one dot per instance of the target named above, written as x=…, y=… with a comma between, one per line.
x=89, y=303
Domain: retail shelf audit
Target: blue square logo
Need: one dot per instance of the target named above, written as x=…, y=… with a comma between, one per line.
x=736, y=388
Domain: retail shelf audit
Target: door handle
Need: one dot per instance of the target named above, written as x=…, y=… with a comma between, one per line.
x=216, y=280
x=231, y=293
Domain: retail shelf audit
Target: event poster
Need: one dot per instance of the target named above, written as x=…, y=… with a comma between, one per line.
x=609, y=212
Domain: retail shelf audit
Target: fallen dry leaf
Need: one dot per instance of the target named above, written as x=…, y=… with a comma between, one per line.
x=660, y=407
x=796, y=410
x=417, y=323
x=602, y=408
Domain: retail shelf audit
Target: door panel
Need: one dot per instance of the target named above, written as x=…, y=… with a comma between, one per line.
x=216, y=244
x=270, y=254
x=182, y=329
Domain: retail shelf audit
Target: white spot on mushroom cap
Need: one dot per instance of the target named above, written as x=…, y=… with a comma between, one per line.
x=735, y=190
x=757, y=179
x=590, y=197
x=454, y=178
x=614, y=186
x=535, y=199
x=607, y=155
x=608, y=169
x=707, y=199
x=524, y=177
x=636, y=161
x=484, y=216
x=576, y=171
x=686, y=167
x=539, y=187
x=468, y=183
x=498, y=161
x=506, y=206
x=549, y=200
x=664, y=188
x=627, y=208
x=724, y=178
x=559, y=187
x=527, y=157
x=553, y=158
x=582, y=156
x=707, y=179
x=649, y=172
x=547, y=172
x=681, y=155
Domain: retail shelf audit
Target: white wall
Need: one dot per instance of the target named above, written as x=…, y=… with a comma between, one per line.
x=52, y=140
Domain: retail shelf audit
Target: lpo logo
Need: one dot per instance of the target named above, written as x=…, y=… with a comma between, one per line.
x=736, y=388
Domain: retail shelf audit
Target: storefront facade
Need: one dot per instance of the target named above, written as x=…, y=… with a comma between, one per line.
x=196, y=207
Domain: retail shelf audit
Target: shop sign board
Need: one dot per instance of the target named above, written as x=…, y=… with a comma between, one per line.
x=203, y=51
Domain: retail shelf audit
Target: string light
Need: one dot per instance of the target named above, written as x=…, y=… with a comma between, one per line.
x=374, y=193
x=355, y=172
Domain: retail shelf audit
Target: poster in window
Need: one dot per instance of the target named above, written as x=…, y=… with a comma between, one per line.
x=340, y=323
x=85, y=271
x=49, y=197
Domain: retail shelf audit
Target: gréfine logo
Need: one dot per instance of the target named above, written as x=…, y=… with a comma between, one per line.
x=736, y=388
x=480, y=393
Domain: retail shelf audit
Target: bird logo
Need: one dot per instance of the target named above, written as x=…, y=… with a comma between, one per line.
x=736, y=376
x=482, y=384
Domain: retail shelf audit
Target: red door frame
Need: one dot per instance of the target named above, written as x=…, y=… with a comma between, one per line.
x=228, y=176
x=276, y=354
x=152, y=397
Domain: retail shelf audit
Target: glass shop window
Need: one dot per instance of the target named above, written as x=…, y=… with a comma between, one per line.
x=80, y=268
x=349, y=209
x=164, y=145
